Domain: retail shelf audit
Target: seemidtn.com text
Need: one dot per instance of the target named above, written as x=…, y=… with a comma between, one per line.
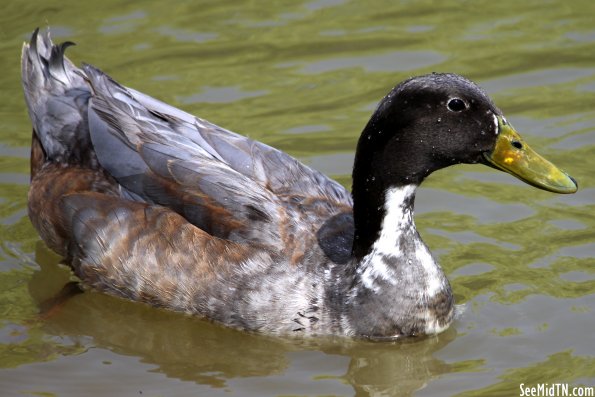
x=556, y=390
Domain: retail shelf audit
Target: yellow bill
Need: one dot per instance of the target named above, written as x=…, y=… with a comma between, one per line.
x=513, y=155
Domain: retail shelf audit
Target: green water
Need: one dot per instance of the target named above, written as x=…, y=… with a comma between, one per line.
x=305, y=77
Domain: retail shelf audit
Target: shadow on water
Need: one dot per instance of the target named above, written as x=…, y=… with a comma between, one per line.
x=198, y=351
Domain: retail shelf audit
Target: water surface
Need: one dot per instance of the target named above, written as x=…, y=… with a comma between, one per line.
x=304, y=76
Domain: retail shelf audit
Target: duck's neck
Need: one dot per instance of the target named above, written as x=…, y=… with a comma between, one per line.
x=395, y=241
x=396, y=223
x=381, y=217
x=399, y=288
x=384, y=172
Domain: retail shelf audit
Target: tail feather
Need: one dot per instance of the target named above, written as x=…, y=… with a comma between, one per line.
x=57, y=97
x=57, y=59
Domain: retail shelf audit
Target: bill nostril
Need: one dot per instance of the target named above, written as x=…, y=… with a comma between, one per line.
x=517, y=144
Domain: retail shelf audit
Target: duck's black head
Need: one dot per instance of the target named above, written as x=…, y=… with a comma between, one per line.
x=431, y=122
x=427, y=123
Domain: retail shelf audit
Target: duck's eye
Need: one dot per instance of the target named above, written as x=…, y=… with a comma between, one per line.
x=456, y=105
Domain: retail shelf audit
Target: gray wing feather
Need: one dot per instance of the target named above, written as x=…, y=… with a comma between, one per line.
x=150, y=159
x=281, y=173
x=168, y=157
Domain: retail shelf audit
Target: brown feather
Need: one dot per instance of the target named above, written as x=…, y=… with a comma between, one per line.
x=49, y=184
x=38, y=156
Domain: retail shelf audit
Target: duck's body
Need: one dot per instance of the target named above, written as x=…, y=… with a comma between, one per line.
x=153, y=204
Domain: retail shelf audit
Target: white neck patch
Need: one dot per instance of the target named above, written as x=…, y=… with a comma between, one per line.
x=398, y=217
x=398, y=220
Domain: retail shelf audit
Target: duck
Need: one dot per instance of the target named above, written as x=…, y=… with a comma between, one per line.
x=149, y=203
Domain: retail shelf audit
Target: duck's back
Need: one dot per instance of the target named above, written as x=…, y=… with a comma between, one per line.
x=151, y=203
x=228, y=185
